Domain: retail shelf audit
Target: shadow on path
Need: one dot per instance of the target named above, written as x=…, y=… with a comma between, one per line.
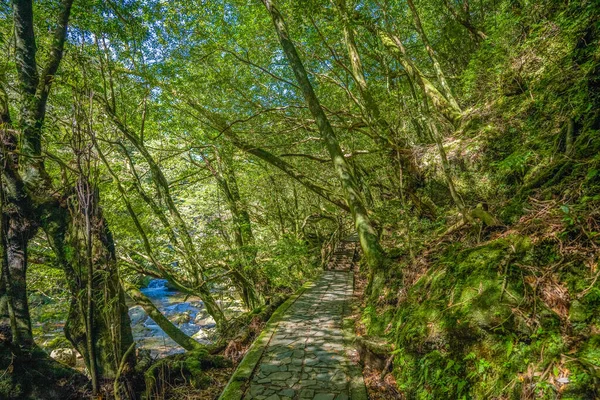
x=308, y=356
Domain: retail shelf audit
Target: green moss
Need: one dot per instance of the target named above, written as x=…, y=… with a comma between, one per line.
x=470, y=326
x=35, y=375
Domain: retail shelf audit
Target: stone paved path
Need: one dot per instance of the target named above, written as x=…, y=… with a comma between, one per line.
x=308, y=357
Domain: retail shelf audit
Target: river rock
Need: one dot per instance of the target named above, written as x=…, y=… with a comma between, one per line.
x=204, y=321
x=181, y=318
x=178, y=308
x=65, y=356
x=137, y=315
x=205, y=336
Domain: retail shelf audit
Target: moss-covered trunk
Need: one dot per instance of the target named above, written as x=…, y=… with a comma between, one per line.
x=26, y=185
x=369, y=239
x=111, y=333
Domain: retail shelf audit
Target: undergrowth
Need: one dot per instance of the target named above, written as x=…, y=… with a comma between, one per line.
x=513, y=310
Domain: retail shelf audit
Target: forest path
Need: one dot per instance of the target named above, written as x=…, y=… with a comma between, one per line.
x=309, y=355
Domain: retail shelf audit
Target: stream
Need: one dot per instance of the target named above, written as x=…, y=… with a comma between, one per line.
x=186, y=312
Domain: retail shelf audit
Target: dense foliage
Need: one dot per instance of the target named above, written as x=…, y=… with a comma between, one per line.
x=226, y=146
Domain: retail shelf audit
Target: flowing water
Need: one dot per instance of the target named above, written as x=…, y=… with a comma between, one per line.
x=186, y=312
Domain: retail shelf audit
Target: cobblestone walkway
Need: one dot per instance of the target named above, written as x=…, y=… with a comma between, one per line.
x=308, y=356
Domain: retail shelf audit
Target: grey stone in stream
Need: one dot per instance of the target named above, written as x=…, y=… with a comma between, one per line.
x=205, y=321
x=204, y=336
x=137, y=315
x=181, y=318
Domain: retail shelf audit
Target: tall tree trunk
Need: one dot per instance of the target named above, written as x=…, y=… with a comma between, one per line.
x=18, y=227
x=104, y=343
x=244, y=270
x=368, y=236
x=436, y=65
x=24, y=176
x=17, y=238
x=458, y=201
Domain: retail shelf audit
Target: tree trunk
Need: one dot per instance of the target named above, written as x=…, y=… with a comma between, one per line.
x=436, y=65
x=243, y=272
x=369, y=240
x=458, y=201
x=111, y=334
x=24, y=175
x=17, y=239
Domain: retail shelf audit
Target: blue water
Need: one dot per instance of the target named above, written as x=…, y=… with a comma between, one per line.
x=173, y=305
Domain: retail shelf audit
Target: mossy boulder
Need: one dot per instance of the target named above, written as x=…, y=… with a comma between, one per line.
x=33, y=375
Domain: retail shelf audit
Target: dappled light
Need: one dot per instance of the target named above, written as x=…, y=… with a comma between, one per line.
x=299, y=199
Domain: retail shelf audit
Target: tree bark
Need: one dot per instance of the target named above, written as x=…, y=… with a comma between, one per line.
x=436, y=65
x=110, y=332
x=369, y=240
x=24, y=176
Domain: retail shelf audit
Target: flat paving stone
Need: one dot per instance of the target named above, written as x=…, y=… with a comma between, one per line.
x=307, y=357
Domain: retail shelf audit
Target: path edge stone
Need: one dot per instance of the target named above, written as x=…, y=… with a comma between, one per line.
x=236, y=387
x=358, y=390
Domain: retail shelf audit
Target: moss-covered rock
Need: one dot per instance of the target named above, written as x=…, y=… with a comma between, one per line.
x=34, y=375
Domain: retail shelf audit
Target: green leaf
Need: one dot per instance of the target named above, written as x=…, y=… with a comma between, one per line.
x=509, y=348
